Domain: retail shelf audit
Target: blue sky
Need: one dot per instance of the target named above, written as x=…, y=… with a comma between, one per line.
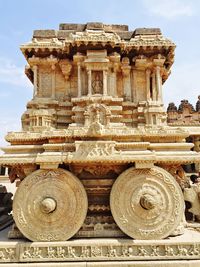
x=178, y=19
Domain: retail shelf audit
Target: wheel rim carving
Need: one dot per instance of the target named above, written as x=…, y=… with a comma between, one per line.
x=50, y=205
x=147, y=203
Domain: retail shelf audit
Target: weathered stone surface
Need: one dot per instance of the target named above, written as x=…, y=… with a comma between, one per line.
x=113, y=250
x=44, y=34
x=147, y=31
x=181, y=263
x=147, y=203
x=198, y=104
x=184, y=115
x=96, y=157
x=50, y=205
x=93, y=26
x=72, y=26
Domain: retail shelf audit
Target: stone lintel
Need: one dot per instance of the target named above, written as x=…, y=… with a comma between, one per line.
x=144, y=165
x=47, y=165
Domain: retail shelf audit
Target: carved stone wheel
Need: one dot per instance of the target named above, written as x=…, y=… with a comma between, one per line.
x=50, y=205
x=147, y=203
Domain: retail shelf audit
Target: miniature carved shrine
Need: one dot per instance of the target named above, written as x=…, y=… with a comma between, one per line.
x=95, y=156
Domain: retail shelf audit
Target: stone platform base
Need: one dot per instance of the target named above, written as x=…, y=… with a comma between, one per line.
x=183, y=251
x=183, y=263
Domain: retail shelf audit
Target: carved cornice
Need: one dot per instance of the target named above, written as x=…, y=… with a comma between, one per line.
x=95, y=36
x=51, y=60
x=150, y=43
x=35, y=44
x=124, y=132
x=101, y=152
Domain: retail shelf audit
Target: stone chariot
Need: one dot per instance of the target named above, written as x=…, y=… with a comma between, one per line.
x=95, y=157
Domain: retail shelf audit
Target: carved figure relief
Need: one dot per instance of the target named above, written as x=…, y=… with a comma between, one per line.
x=97, y=115
x=94, y=149
x=96, y=251
x=97, y=82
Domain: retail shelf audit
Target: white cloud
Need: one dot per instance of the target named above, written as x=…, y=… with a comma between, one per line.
x=8, y=124
x=12, y=74
x=169, y=9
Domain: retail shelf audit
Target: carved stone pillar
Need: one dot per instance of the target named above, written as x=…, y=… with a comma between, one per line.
x=134, y=92
x=89, y=82
x=112, y=83
x=79, y=79
x=158, y=83
x=154, y=93
x=105, y=82
x=53, y=85
x=127, y=82
x=148, y=72
x=35, y=80
x=150, y=119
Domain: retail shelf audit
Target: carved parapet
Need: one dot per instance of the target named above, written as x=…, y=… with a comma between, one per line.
x=186, y=114
x=198, y=104
x=185, y=104
x=172, y=107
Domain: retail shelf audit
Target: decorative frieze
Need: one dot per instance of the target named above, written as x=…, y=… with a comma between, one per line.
x=9, y=253
x=112, y=251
